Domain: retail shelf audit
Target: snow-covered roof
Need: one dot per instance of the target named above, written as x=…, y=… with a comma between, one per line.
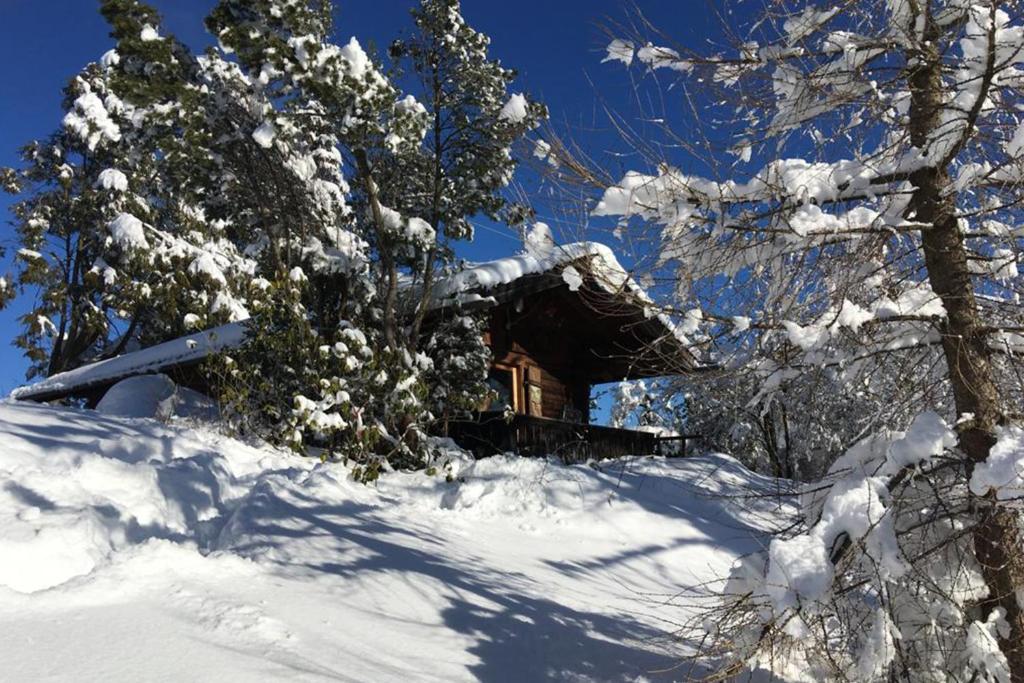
x=480, y=277
x=469, y=285
x=191, y=348
x=596, y=260
x=475, y=281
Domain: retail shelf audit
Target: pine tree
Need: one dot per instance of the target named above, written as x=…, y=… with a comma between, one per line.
x=195, y=275
x=71, y=238
x=116, y=243
x=419, y=171
x=473, y=121
x=335, y=96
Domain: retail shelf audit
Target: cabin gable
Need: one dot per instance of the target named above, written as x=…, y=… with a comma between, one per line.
x=553, y=343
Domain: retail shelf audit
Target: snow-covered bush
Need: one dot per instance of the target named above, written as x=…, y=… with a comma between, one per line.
x=798, y=430
x=460, y=365
x=290, y=383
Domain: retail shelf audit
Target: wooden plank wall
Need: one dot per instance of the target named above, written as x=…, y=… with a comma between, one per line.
x=562, y=395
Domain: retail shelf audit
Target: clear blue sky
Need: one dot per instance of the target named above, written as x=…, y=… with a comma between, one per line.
x=556, y=45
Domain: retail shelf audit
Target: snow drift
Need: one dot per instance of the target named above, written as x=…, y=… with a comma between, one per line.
x=136, y=549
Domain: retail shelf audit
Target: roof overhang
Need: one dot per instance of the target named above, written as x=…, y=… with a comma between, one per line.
x=616, y=330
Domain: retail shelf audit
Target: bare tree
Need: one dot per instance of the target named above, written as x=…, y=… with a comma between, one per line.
x=855, y=210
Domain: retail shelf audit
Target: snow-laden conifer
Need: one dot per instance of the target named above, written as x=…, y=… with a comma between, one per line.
x=419, y=168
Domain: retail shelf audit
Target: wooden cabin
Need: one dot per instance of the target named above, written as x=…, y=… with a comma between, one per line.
x=558, y=325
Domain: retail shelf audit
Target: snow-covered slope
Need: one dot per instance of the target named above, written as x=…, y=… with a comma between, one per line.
x=132, y=550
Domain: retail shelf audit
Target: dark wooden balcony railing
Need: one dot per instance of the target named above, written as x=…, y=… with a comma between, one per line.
x=490, y=433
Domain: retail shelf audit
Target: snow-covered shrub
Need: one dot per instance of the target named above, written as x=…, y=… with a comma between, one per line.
x=880, y=572
x=796, y=432
x=293, y=384
x=460, y=365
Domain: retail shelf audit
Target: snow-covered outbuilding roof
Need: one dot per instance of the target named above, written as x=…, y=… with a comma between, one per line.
x=177, y=352
x=476, y=285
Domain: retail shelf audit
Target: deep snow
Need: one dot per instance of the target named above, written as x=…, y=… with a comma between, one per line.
x=135, y=550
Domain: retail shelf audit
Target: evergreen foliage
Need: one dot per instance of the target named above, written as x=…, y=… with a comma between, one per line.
x=459, y=366
x=184, y=190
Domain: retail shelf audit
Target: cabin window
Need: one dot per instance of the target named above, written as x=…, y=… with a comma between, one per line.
x=536, y=398
x=534, y=392
x=502, y=382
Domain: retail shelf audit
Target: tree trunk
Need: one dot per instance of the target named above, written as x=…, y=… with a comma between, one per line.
x=435, y=213
x=387, y=258
x=771, y=442
x=996, y=533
